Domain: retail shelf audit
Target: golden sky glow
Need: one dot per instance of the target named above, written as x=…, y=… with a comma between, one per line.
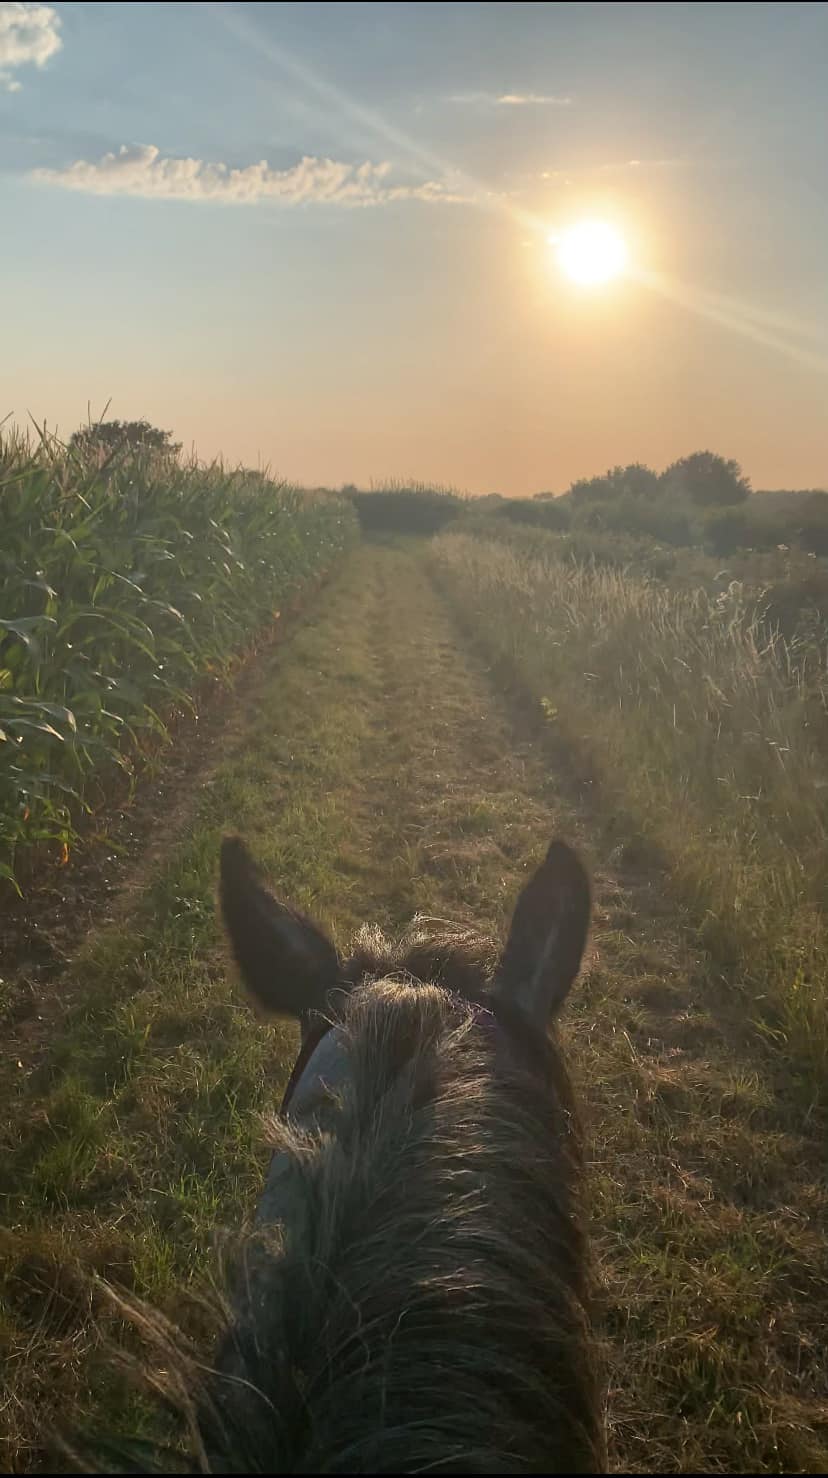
x=324, y=243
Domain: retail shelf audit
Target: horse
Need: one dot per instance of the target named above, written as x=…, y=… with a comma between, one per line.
x=414, y=1294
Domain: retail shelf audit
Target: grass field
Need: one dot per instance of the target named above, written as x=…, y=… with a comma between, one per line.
x=707, y=733
x=381, y=762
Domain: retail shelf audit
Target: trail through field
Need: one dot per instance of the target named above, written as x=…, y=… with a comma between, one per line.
x=379, y=769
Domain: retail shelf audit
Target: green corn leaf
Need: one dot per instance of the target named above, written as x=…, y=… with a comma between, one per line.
x=25, y=627
x=41, y=728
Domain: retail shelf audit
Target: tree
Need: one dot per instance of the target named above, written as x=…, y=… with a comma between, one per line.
x=592, y=489
x=706, y=479
x=639, y=481
x=633, y=481
x=108, y=438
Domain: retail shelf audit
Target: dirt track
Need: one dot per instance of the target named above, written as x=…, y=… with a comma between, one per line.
x=378, y=768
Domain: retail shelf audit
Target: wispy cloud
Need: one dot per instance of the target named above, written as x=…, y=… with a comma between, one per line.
x=142, y=170
x=29, y=36
x=621, y=166
x=533, y=100
x=513, y=99
x=624, y=164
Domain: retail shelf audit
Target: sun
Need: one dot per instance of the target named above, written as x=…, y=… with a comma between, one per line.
x=590, y=252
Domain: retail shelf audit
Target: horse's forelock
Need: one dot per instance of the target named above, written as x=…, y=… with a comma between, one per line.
x=430, y=952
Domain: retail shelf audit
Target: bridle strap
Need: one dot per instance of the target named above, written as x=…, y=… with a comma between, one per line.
x=314, y=1036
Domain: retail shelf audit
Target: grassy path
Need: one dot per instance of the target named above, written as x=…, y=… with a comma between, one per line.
x=378, y=771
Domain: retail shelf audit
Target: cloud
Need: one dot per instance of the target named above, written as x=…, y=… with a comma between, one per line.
x=142, y=170
x=675, y=163
x=513, y=99
x=616, y=167
x=28, y=37
x=532, y=100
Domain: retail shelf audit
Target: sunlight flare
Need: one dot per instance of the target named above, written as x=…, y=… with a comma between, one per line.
x=590, y=252
x=751, y=321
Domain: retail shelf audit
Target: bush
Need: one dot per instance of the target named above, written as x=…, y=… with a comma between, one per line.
x=797, y=607
x=546, y=514
x=405, y=510
x=768, y=521
x=728, y=531
x=666, y=522
x=811, y=523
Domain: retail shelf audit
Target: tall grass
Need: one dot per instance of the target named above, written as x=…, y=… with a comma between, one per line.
x=121, y=586
x=710, y=733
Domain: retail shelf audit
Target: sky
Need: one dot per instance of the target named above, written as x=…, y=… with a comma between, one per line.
x=317, y=236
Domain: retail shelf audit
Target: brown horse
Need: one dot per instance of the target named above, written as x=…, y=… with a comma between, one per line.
x=413, y=1298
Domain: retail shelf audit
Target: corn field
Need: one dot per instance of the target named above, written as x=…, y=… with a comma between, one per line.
x=121, y=587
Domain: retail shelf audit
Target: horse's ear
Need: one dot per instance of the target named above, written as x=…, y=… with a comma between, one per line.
x=287, y=963
x=547, y=937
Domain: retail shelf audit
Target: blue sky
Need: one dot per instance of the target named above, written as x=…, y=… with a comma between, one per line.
x=379, y=296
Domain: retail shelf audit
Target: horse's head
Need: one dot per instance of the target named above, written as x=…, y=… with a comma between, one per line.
x=292, y=969
x=415, y=1295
